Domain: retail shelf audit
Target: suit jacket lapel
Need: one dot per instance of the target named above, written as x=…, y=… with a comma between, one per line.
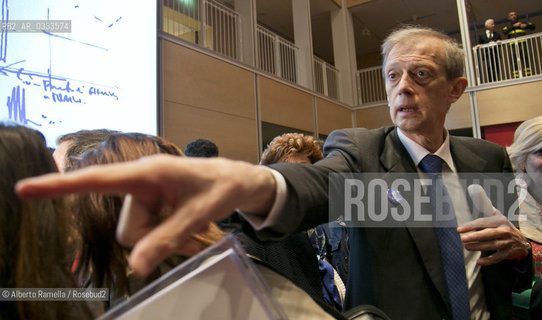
x=396, y=159
x=464, y=159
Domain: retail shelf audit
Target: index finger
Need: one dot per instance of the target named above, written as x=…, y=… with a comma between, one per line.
x=114, y=178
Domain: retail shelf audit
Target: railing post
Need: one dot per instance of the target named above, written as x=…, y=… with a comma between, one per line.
x=476, y=64
x=518, y=59
x=202, y=20
x=358, y=85
x=324, y=79
x=278, y=67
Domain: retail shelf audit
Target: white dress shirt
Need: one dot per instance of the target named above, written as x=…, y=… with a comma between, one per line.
x=478, y=307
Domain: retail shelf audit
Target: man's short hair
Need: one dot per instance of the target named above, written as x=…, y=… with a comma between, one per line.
x=453, y=59
x=291, y=144
x=201, y=148
x=487, y=22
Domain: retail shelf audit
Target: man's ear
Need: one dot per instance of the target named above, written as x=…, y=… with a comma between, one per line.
x=458, y=87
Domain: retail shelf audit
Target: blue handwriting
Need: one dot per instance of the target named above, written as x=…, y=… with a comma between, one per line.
x=17, y=106
x=98, y=92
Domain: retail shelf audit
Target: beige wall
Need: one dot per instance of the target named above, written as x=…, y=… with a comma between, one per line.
x=285, y=105
x=460, y=115
x=207, y=98
x=510, y=104
x=332, y=116
x=373, y=117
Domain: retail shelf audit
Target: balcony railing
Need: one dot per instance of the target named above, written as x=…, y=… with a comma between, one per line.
x=326, y=78
x=509, y=59
x=216, y=27
x=277, y=55
x=206, y=23
x=371, y=86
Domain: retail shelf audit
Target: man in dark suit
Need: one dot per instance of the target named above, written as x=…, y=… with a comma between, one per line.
x=490, y=54
x=489, y=35
x=403, y=269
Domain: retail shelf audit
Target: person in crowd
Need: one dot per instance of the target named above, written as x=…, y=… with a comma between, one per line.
x=517, y=29
x=33, y=251
x=491, y=55
x=489, y=35
x=201, y=148
x=102, y=261
x=482, y=260
x=526, y=156
x=293, y=148
x=302, y=257
x=72, y=145
x=298, y=148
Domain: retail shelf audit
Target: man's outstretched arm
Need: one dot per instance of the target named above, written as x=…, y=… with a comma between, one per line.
x=194, y=192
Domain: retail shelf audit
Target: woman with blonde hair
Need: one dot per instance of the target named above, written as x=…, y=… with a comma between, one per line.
x=526, y=156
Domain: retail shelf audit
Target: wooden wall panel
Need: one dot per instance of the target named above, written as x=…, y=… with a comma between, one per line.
x=460, y=115
x=332, y=116
x=285, y=105
x=198, y=80
x=510, y=104
x=373, y=117
x=235, y=136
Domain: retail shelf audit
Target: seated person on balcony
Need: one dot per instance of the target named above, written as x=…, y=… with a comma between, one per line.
x=490, y=54
x=514, y=30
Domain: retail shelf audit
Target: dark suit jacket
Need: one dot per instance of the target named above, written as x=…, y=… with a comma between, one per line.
x=483, y=39
x=396, y=269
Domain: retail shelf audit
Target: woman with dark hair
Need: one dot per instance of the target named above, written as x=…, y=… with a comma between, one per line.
x=33, y=233
x=103, y=262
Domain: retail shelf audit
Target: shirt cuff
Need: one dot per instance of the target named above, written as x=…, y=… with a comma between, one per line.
x=259, y=221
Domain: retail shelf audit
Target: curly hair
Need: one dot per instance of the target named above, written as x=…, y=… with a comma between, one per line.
x=289, y=145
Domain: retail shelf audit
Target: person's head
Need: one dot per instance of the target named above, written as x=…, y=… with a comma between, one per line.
x=512, y=17
x=526, y=151
x=292, y=147
x=201, y=148
x=33, y=233
x=72, y=145
x=423, y=72
x=97, y=214
x=489, y=24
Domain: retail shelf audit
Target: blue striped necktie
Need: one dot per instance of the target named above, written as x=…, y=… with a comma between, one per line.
x=451, y=247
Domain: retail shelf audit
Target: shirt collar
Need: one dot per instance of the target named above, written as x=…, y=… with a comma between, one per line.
x=417, y=152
